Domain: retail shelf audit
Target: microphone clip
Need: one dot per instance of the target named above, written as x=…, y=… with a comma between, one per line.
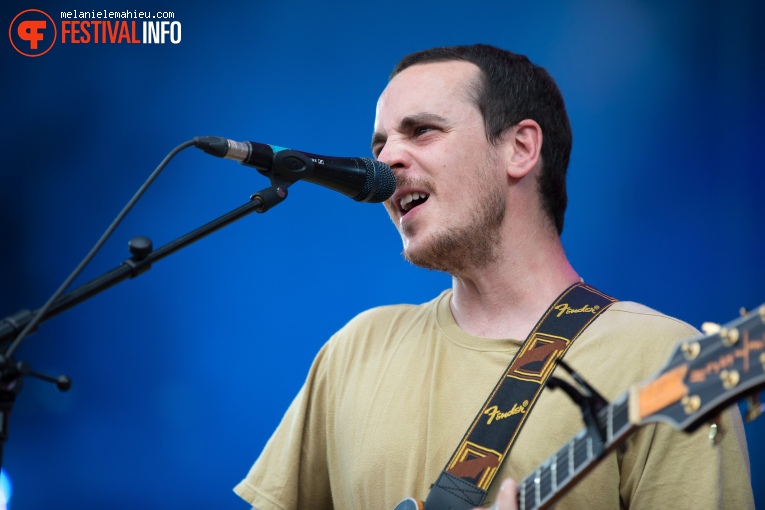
x=288, y=167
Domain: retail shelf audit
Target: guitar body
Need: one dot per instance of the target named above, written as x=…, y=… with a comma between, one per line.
x=410, y=504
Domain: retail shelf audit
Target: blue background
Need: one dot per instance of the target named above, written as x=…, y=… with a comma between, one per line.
x=181, y=375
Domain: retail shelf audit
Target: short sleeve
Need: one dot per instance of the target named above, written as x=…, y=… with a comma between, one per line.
x=291, y=472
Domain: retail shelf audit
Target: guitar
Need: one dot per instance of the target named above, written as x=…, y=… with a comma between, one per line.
x=703, y=376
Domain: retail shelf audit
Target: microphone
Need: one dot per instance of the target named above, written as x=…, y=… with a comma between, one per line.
x=362, y=179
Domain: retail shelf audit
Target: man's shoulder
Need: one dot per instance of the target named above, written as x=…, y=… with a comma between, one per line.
x=635, y=341
x=398, y=315
x=629, y=316
x=378, y=333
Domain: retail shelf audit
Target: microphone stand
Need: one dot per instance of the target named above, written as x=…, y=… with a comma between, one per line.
x=12, y=373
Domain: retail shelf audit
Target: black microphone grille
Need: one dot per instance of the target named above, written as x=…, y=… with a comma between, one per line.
x=380, y=182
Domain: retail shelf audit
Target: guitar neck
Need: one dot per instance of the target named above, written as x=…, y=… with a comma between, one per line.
x=562, y=470
x=703, y=376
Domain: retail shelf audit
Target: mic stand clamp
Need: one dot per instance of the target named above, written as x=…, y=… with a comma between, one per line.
x=11, y=380
x=270, y=197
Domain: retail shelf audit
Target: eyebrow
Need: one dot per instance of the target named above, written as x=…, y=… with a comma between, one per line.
x=407, y=123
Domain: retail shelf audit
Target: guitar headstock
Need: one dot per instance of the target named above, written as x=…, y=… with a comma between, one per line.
x=706, y=374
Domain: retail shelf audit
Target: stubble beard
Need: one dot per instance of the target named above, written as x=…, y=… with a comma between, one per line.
x=474, y=245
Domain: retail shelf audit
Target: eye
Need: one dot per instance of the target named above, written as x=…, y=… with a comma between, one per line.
x=421, y=130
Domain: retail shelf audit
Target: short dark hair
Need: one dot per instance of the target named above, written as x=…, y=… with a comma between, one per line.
x=513, y=89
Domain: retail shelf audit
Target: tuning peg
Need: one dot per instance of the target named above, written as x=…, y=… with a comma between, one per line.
x=690, y=350
x=729, y=336
x=714, y=431
x=743, y=311
x=710, y=328
x=754, y=408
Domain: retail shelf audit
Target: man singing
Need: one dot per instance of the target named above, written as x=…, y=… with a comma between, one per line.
x=479, y=141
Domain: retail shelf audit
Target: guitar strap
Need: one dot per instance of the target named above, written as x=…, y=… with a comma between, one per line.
x=465, y=481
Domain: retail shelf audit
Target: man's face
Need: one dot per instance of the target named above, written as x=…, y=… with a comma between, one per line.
x=450, y=199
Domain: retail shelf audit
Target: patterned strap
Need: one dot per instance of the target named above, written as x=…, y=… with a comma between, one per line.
x=465, y=481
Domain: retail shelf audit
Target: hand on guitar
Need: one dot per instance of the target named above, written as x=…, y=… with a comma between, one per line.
x=507, y=498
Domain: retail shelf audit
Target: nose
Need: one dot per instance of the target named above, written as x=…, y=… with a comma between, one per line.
x=394, y=155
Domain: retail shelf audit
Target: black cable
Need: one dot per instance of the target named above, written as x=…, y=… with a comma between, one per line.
x=41, y=313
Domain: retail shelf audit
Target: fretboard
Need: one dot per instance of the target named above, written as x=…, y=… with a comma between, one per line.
x=559, y=472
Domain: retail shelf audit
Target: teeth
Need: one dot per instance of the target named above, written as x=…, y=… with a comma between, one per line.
x=409, y=197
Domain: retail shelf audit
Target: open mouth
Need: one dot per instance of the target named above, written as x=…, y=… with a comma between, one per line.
x=412, y=200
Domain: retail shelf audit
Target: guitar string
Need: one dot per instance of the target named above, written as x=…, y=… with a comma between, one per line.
x=580, y=443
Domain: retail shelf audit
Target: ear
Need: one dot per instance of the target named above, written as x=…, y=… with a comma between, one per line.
x=523, y=143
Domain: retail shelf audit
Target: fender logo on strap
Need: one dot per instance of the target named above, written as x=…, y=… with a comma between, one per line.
x=494, y=414
x=564, y=308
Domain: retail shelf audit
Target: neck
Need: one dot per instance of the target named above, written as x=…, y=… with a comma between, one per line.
x=507, y=298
